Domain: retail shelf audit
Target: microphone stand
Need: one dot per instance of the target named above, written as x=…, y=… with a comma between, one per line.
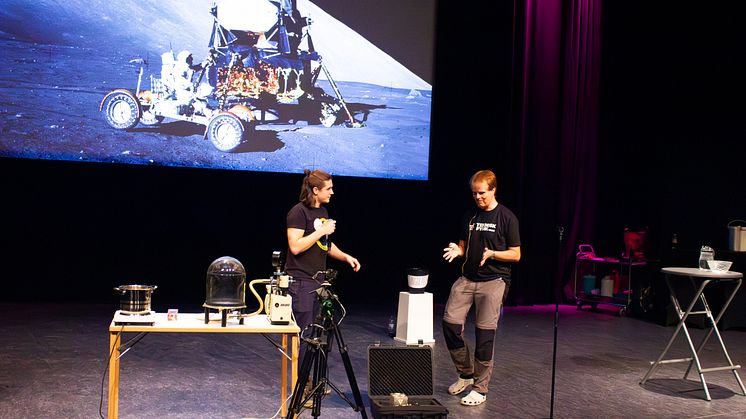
x=557, y=293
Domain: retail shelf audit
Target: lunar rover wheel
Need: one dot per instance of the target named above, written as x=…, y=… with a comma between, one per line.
x=225, y=131
x=121, y=109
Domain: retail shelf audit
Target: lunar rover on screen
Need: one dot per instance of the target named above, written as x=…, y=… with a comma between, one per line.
x=255, y=72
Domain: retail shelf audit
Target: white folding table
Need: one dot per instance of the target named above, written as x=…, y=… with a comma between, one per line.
x=195, y=323
x=699, y=279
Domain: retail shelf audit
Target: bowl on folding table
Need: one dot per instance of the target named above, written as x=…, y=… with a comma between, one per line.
x=719, y=265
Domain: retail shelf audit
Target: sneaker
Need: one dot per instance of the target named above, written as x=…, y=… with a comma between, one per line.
x=307, y=392
x=473, y=399
x=459, y=386
x=309, y=403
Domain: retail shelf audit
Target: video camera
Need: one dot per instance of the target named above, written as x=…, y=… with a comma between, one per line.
x=327, y=275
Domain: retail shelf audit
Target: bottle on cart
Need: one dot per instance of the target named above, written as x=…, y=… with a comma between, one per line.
x=705, y=254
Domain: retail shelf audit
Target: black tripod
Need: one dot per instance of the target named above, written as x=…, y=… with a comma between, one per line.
x=318, y=345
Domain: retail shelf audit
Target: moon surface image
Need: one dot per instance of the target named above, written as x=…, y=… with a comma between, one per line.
x=60, y=59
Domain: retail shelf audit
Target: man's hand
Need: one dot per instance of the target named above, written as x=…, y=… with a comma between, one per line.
x=487, y=254
x=328, y=227
x=353, y=262
x=452, y=252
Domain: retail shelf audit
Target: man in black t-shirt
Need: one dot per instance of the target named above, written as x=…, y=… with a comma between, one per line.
x=308, y=231
x=489, y=243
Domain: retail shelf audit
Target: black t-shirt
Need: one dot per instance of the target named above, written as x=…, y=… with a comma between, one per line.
x=306, y=264
x=495, y=230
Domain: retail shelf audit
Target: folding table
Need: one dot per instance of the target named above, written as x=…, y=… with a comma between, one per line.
x=699, y=279
x=194, y=323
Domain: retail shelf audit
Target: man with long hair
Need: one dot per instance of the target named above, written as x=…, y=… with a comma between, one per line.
x=309, y=229
x=489, y=243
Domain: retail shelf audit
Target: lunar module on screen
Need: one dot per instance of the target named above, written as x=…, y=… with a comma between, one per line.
x=261, y=67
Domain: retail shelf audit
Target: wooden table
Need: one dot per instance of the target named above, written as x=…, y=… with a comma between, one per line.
x=699, y=279
x=195, y=323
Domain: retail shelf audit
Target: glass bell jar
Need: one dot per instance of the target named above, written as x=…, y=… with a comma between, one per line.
x=226, y=284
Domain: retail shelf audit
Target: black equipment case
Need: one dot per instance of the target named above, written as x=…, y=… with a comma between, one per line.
x=407, y=370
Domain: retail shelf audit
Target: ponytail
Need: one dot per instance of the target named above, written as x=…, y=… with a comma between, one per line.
x=312, y=179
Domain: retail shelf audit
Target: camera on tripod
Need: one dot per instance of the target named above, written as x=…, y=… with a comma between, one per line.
x=323, y=335
x=327, y=275
x=324, y=293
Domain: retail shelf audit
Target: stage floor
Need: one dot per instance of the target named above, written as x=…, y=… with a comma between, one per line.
x=53, y=357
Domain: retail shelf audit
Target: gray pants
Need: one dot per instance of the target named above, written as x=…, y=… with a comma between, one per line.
x=487, y=297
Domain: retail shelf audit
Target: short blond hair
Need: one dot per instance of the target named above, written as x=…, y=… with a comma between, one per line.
x=486, y=176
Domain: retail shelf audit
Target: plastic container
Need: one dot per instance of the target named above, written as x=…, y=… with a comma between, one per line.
x=589, y=283
x=607, y=286
x=705, y=254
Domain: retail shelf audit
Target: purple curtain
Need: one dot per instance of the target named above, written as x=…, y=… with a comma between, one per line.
x=556, y=97
x=579, y=129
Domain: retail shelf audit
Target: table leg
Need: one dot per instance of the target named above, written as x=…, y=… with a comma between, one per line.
x=712, y=326
x=294, y=364
x=294, y=344
x=722, y=311
x=681, y=325
x=284, y=374
x=695, y=358
x=714, y=322
x=717, y=318
x=113, y=405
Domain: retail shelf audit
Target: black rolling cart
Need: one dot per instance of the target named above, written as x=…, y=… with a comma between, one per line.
x=588, y=276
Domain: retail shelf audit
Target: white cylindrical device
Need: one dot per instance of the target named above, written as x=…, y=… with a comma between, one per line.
x=417, y=280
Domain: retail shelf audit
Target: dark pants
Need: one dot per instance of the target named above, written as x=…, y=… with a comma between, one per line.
x=305, y=308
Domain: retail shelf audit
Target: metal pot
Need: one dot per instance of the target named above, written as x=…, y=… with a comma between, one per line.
x=737, y=236
x=135, y=299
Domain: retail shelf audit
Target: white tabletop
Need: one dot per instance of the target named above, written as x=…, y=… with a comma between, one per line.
x=702, y=273
x=195, y=322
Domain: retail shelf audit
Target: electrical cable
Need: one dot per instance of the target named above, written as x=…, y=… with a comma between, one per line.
x=131, y=343
x=287, y=400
